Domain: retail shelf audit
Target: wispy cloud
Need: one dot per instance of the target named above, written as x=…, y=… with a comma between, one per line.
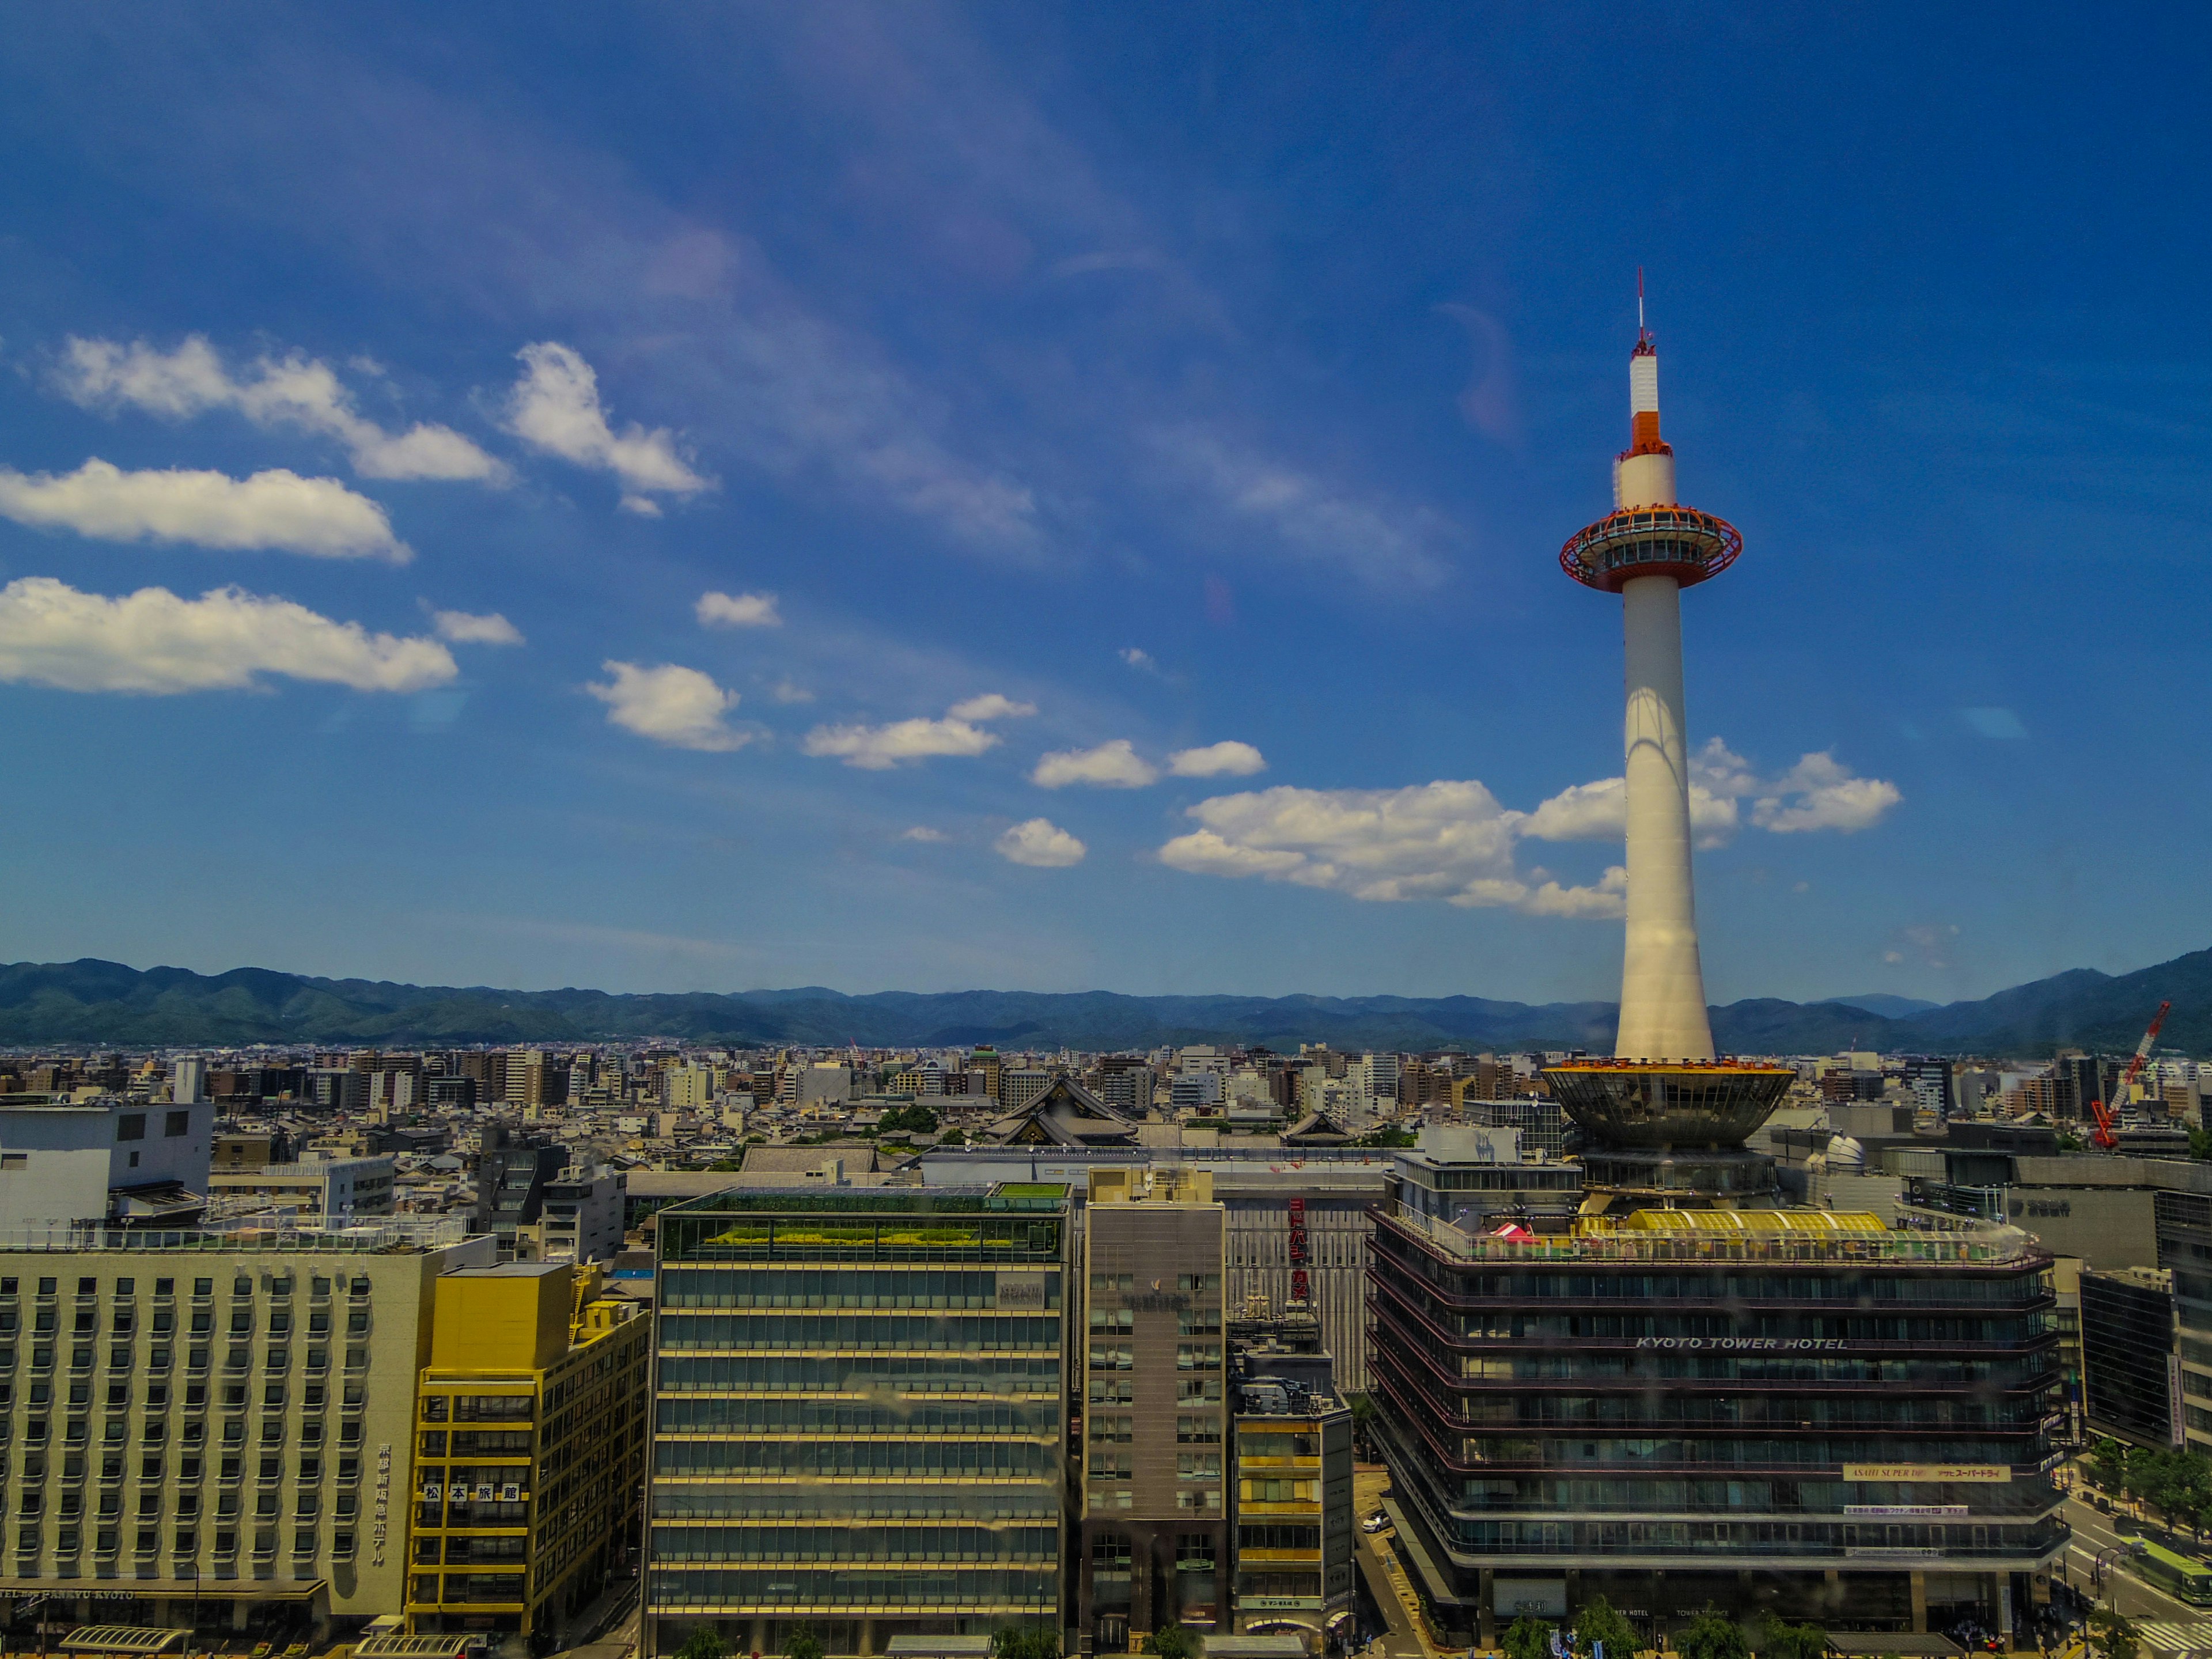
x=555, y=407
x=1818, y=793
x=991, y=706
x=274, y=510
x=295, y=390
x=1382, y=544
x=154, y=640
x=922, y=832
x=679, y=706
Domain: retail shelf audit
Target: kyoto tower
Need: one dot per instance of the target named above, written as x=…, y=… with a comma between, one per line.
x=1664, y=1086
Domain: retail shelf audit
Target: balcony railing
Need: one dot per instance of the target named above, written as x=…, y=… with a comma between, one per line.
x=1991, y=1247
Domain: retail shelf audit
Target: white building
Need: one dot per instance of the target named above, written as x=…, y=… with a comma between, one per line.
x=582, y=1220
x=188, y=1079
x=832, y=1080
x=335, y=1186
x=67, y=1162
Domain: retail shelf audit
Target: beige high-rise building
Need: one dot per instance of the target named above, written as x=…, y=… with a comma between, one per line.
x=1155, y=1549
x=204, y=1431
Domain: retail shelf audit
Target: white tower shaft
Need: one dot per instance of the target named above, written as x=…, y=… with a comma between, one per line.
x=1663, y=981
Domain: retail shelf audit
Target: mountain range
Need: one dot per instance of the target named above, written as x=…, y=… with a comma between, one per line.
x=95, y=1003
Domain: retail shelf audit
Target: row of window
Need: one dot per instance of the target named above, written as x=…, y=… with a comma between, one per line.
x=280, y=1284
x=927, y=1585
x=185, y=1541
x=1202, y=1501
x=691, y=1415
x=887, y=1460
x=783, y=1332
x=161, y=1357
x=123, y=1321
x=1013, y=1375
x=858, y=1287
x=861, y=1544
x=40, y=1392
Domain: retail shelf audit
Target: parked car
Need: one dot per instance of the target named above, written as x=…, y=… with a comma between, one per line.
x=1375, y=1523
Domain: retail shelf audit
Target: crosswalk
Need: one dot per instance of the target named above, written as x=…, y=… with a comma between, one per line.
x=2189, y=1641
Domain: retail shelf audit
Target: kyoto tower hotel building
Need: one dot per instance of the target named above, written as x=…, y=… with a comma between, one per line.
x=1677, y=1387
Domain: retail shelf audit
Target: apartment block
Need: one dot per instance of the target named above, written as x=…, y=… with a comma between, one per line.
x=206, y=1428
x=859, y=1415
x=1155, y=1543
x=530, y=1449
x=1293, y=1441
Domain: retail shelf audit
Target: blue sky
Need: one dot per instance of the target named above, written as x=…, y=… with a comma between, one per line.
x=896, y=496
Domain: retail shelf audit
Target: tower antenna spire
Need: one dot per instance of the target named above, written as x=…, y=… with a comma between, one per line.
x=1643, y=334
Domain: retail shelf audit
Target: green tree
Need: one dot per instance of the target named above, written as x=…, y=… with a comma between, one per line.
x=2200, y=1145
x=2111, y=1636
x=1780, y=1639
x=701, y=1644
x=1362, y=1424
x=1599, y=1621
x=916, y=1119
x=1025, y=1642
x=1174, y=1641
x=1529, y=1638
x=953, y=1138
x=802, y=1643
x=1711, y=1635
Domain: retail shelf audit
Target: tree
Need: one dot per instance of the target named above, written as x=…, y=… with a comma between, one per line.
x=916, y=1118
x=1598, y=1622
x=701, y=1644
x=1711, y=1635
x=1025, y=1642
x=1174, y=1641
x=802, y=1643
x=1529, y=1638
x=2111, y=1636
x=1362, y=1424
x=1780, y=1639
x=953, y=1138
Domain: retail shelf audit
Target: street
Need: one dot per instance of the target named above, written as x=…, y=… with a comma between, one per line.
x=1386, y=1582
x=2094, y=1534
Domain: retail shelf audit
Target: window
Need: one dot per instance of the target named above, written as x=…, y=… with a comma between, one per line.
x=203, y=1287
x=132, y=1125
x=149, y=1467
x=1197, y=1284
x=303, y=1542
x=165, y=1287
x=27, y=1541
x=46, y=1288
x=356, y=1360
x=342, y=1544
x=1199, y=1430
x=177, y=1123
x=126, y=1287
x=186, y=1540
x=15, y=1161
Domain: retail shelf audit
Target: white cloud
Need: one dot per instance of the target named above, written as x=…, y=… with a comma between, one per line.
x=1215, y=760
x=556, y=406
x=1453, y=841
x=1139, y=658
x=877, y=748
x=1114, y=765
x=737, y=611
x=679, y=706
x=463, y=628
x=1380, y=543
x=320, y=517
x=296, y=391
x=991, y=707
x=1041, y=844
x=154, y=640
x=922, y=832
x=1818, y=793
x=786, y=691
x=1447, y=840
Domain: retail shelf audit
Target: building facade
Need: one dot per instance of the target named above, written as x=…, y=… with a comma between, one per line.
x=1156, y=1545
x=1776, y=1408
x=215, y=1429
x=1293, y=1441
x=530, y=1449
x=859, y=1415
x=2131, y=1377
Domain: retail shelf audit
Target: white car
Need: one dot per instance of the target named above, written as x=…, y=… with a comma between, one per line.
x=1375, y=1523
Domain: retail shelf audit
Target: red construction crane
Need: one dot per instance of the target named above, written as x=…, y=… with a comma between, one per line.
x=2103, y=1135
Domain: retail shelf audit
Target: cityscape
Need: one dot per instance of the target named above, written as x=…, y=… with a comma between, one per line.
x=910, y=931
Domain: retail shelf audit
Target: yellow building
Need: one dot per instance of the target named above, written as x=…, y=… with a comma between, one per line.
x=530, y=1449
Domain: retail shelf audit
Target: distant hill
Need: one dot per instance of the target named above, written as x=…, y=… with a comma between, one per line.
x=91, y=1002
x=1889, y=1007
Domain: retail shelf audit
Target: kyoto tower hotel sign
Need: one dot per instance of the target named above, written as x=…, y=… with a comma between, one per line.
x=1664, y=1086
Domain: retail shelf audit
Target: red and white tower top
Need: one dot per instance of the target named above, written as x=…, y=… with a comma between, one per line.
x=1648, y=533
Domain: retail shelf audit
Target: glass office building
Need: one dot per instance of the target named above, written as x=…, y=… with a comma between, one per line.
x=1673, y=1399
x=859, y=1415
